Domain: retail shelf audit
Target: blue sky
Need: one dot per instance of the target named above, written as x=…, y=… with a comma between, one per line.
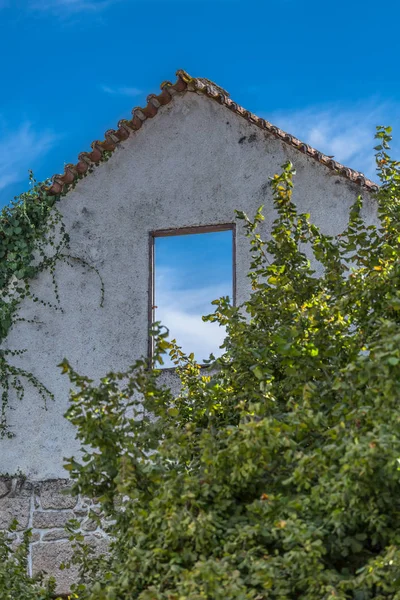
x=190, y=271
x=72, y=68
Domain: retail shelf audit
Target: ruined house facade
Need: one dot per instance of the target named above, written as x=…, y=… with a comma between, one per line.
x=189, y=158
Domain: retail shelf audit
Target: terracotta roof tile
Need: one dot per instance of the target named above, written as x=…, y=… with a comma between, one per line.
x=101, y=149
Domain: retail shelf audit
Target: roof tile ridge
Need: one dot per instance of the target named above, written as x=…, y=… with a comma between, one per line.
x=102, y=149
x=328, y=161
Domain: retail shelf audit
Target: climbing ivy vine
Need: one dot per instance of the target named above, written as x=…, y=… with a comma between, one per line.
x=33, y=239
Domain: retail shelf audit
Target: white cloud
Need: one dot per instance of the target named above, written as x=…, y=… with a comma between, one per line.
x=121, y=91
x=181, y=310
x=71, y=7
x=347, y=134
x=191, y=333
x=20, y=149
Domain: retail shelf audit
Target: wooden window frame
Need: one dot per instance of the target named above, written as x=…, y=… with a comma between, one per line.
x=183, y=231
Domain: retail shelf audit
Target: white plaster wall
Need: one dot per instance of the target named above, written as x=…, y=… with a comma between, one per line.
x=193, y=164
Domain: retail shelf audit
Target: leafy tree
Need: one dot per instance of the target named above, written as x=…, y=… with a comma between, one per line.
x=274, y=473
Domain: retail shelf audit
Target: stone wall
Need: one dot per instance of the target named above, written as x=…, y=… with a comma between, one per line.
x=192, y=166
x=45, y=507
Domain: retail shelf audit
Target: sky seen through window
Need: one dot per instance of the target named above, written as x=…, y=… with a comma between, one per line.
x=191, y=271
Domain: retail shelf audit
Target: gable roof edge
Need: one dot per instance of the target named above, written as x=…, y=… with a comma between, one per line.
x=102, y=149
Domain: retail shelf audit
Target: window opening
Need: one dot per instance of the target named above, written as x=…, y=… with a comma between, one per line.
x=190, y=268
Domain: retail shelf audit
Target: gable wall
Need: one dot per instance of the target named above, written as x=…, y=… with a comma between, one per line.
x=193, y=164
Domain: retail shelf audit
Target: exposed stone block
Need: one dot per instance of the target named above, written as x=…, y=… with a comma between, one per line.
x=5, y=487
x=51, y=519
x=55, y=534
x=24, y=488
x=14, y=508
x=47, y=507
x=54, y=494
x=47, y=557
